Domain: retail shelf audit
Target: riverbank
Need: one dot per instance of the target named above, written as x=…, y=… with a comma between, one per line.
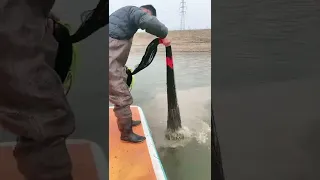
x=182, y=41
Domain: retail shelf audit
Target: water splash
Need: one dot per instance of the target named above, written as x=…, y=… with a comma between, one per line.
x=195, y=117
x=177, y=135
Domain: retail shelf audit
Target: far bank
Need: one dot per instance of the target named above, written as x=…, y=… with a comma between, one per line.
x=182, y=41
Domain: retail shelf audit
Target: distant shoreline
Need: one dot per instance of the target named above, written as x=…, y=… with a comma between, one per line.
x=182, y=41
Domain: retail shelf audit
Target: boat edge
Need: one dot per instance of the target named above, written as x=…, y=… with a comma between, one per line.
x=156, y=162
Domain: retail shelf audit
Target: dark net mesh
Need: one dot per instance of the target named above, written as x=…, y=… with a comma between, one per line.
x=92, y=20
x=148, y=56
x=217, y=160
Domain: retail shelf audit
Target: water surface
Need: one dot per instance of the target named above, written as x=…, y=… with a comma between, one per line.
x=190, y=158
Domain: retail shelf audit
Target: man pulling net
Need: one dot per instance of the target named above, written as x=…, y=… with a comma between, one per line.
x=123, y=24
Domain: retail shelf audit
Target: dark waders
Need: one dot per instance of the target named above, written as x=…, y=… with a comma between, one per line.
x=32, y=101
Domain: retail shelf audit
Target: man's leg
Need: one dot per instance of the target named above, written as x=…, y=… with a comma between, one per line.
x=32, y=101
x=119, y=93
x=43, y=160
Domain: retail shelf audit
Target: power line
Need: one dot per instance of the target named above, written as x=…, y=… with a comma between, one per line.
x=183, y=12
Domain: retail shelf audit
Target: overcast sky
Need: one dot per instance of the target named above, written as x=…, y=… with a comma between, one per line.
x=198, y=14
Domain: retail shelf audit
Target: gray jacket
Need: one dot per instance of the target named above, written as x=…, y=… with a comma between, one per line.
x=126, y=21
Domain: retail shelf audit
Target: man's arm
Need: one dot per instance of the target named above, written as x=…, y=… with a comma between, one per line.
x=148, y=23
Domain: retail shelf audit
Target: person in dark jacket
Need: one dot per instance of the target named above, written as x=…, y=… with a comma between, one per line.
x=123, y=24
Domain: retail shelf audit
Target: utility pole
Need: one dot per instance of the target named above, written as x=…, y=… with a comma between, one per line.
x=182, y=13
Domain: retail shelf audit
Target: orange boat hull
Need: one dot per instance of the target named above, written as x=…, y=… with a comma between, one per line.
x=133, y=161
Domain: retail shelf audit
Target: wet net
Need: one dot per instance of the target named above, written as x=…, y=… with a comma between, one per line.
x=174, y=118
x=146, y=60
x=92, y=20
x=216, y=153
x=148, y=56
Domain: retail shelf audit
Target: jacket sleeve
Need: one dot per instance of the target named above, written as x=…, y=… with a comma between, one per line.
x=148, y=23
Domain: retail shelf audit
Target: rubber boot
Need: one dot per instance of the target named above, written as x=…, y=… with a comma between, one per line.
x=125, y=127
x=136, y=122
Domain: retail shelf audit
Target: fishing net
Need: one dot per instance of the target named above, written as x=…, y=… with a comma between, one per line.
x=65, y=50
x=92, y=20
x=130, y=78
x=217, y=160
x=146, y=60
x=174, y=119
x=148, y=56
x=66, y=59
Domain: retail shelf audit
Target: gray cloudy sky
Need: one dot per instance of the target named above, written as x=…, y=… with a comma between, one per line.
x=198, y=14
